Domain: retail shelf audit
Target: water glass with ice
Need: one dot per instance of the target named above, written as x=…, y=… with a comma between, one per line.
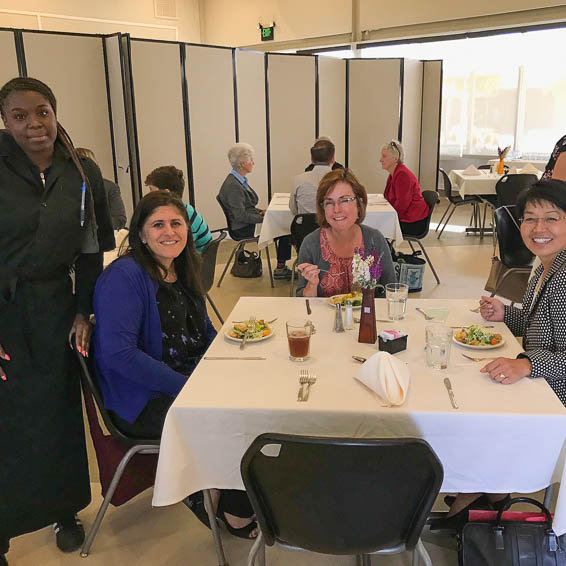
x=396, y=295
x=438, y=343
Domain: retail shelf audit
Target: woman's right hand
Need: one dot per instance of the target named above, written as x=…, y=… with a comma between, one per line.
x=4, y=356
x=310, y=273
x=492, y=309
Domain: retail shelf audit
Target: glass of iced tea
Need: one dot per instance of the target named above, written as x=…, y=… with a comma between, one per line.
x=299, y=334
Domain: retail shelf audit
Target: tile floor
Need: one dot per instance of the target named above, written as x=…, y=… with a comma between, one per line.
x=139, y=535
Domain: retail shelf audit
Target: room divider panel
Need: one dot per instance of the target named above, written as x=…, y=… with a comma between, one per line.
x=9, y=60
x=158, y=98
x=73, y=66
x=332, y=102
x=375, y=100
x=430, y=129
x=252, y=127
x=411, y=112
x=291, y=99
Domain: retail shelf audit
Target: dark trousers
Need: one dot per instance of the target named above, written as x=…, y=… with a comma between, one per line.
x=149, y=424
x=414, y=228
x=282, y=243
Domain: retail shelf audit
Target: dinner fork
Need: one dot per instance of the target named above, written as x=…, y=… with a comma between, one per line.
x=477, y=309
x=476, y=359
x=303, y=378
x=251, y=324
x=311, y=381
x=426, y=315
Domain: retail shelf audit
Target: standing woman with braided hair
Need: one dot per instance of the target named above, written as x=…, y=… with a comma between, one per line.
x=53, y=219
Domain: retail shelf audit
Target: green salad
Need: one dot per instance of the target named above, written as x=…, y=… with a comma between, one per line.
x=477, y=335
x=258, y=330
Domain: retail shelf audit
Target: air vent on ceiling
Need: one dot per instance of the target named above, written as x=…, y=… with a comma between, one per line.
x=165, y=9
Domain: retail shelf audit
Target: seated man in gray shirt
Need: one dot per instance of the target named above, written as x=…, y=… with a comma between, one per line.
x=303, y=196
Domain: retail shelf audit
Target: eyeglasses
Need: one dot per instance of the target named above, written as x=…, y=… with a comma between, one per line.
x=546, y=221
x=341, y=201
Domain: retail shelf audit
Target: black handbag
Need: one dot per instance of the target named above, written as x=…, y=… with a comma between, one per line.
x=512, y=543
x=247, y=264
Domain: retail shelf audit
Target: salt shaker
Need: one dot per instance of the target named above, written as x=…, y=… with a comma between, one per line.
x=349, y=316
x=338, y=322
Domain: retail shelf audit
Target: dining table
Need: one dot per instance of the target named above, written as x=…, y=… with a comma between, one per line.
x=501, y=439
x=482, y=183
x=520, y=163
x=278, y=217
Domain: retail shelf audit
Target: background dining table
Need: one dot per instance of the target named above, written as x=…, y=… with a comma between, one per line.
x=278, y=217
x=501, y=439
x=520, y=163
x=481, y=184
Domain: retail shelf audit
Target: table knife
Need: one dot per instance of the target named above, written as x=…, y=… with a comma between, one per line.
x=309, y=311
x=448, y=386
x=234, y=358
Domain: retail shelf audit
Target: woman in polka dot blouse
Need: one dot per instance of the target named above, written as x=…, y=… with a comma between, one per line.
x=542, y=320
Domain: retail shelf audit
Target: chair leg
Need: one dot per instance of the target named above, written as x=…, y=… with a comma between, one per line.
x=428, y=261
x=214, y=528
x=257, y=549
x=363, y=560
x=420, y=553
x=292, y=278
x=214, y=308
x=411, y=245
x=109, y=494
x=236, y=247
x=440, y=221
x=483, y=222
x=548, y=493
x=269, y=265
x=446, y=223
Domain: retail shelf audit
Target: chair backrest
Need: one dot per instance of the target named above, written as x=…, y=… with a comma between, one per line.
x=431, y=198
x=90, y=385
x=447, y=183
x=227, y=215
x=208, y=266
x=509, y=187
x=301, y=226
x=512, y=251
x=485, y=167
x=341, y=495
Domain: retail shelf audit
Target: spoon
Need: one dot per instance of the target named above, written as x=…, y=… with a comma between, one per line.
x=427, y=316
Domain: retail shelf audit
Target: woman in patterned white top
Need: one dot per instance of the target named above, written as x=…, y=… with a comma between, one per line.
x=542, y=320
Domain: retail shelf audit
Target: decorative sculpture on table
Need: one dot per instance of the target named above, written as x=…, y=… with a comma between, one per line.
x=366, y=271
x=502, y=155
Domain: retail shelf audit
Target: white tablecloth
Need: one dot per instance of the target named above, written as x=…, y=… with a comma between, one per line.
x=502, y=439
x=520, y=163
x=278, y=217
x=482, y=184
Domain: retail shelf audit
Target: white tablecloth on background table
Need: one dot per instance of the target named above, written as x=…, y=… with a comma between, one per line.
x=502, y=439
x=278, y=218
x=482, y=184
x=520, y=163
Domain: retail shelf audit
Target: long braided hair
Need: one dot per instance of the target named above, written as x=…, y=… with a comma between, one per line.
x=23, y=84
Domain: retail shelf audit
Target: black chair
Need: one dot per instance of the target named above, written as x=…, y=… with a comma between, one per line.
x=456, y=201
x=301, y=226
x=516, y=258
x=431, y=198
x=341, y=496
x=208, y=268
x=241, y=244
x=509, y=187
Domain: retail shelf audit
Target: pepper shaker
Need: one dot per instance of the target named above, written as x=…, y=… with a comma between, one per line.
x=349, y=316
x=338, y=322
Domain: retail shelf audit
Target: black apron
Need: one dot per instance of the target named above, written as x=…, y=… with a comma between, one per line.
x=43, y=464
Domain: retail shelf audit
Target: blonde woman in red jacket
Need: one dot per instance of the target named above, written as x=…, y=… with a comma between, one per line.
x=403, y=191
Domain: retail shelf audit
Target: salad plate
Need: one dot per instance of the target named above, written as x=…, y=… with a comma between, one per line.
x=477, y=337
x=261, y=331
x=356, y=299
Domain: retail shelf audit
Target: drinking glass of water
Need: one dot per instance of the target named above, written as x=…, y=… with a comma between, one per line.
x=438, y=342
x=396, y=295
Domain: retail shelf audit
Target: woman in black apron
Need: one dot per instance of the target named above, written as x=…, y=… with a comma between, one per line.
x=54, y=219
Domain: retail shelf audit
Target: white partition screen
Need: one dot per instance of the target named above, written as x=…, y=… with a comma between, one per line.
x=411, y=112
x=156, y=76
x=374, y=116
x=332, y=102
x=250, y=75
x=73, y=66
x=430, y=131
x=116, y=88
x=291, y=117
x=9, y=60
x=210, y=83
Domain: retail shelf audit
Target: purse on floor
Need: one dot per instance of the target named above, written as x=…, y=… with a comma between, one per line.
x=525, y=541
x=247, y=264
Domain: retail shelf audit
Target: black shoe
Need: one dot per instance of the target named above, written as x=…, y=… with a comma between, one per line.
x=70, y=534
x=243, y=532
x=456, y=522
x=3, y=561
x=195, y=502
x=282, y=273
x=481, y=503
x=498, y=505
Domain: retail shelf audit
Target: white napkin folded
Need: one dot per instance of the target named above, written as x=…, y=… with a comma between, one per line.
x=529, y=168
x=375, y=198
x=387, y=376
x=471, y=170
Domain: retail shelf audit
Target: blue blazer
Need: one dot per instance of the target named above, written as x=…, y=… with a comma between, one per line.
x=128, y=342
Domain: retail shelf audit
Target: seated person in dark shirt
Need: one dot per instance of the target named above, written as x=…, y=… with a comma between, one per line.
x=335, y=164
x=152, y=330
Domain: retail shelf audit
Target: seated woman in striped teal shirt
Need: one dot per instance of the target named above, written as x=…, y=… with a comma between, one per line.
x=169, y=178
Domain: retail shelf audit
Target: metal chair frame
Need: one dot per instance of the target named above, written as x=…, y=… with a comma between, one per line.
x=208, y=255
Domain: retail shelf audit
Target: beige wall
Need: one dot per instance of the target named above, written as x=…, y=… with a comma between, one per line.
x=131, y=13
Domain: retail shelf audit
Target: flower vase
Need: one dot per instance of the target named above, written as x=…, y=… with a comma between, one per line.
x=368, y=328
x=501, y=167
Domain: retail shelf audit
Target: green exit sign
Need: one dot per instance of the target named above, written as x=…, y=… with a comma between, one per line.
x=268, y=33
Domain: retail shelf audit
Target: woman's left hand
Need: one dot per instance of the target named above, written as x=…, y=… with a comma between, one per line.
x=507, y=371
x=82, y=330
